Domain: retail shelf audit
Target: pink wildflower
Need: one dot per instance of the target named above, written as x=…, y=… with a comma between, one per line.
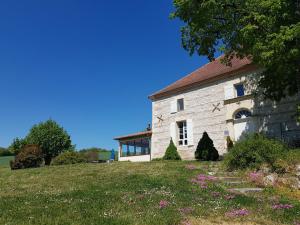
x=163, y=204
x=190, y=167
x=186, y=222
x=229, y=197
x=186, y=211
x=215, y=194
x=297, y=223
x=237, y=212
x=282, y=206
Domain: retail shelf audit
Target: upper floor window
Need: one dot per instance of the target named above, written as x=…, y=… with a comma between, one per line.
x=182, y=133
x=180, y=104
x=242, y=114
x=239, y=90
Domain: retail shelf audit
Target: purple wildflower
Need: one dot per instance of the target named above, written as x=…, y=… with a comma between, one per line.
x=282, y=206
x=215, y=194
x=163, y=204
x=229, y=197
x=186, y=211
x=190, y=167
x=237, y=212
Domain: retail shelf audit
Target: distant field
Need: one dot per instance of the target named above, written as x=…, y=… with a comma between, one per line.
x=4, y=161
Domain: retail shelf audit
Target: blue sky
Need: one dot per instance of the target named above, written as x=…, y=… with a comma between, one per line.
x=88, y=64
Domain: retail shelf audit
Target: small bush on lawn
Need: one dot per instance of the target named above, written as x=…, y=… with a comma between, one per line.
x=171, y=152
x=30, y=156
x=91, y=156
x=69, y=158
x=254, y=151
x=205, y=150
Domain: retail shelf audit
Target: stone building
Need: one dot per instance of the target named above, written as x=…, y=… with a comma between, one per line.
x=217, y=99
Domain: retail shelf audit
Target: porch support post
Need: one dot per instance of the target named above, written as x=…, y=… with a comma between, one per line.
x=120, y=150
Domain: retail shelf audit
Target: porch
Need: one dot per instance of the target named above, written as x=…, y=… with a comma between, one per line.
x=135, y=147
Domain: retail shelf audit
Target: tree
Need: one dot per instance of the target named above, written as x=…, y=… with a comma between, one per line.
x=171, y=152
x=17, y=145
x=51, y=138
x=205, y=150
x=267, y=31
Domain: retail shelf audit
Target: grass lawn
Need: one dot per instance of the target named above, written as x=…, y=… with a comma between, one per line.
x=129, y=193
x=4, y=161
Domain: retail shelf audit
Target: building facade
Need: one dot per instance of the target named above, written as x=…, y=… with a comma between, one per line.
x=216, y=99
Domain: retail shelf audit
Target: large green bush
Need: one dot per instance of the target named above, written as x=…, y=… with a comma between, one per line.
x=254, y=151
x=29, y=157
x=69, y=158
x=51, y=137
x=205, y=150
x=171, y=152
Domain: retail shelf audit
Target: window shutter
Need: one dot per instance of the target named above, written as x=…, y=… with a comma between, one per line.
x=229, y=91
x=173, y=106
x=190, y=131
x=173, y=133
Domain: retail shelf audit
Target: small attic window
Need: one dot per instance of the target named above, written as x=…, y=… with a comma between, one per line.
x=240, y=90
x=180, y=104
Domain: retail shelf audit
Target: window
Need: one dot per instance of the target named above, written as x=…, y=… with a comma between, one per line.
x=240, y=91
x=180, y=104
x=242, y=114
x=182, y=133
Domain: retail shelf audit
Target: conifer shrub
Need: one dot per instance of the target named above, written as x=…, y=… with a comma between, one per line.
x=205, y=150
x=30, y=156
x=229, y=143
x=171, y=152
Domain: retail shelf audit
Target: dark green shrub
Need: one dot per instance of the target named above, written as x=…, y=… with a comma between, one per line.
x=30, y=156
x=229, y=143
x=171, y=152
x=69, y=158
x=205, y=150
x=5, y=152
x=254, y=151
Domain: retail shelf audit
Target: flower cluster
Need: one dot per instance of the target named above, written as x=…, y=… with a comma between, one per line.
x=190, y=167
x=229, y=197
x=238, y=212
x=186, y=211
x=282, y=206
x=256, y=177
x=215, y=194
x=163, y=204
x=202, y=180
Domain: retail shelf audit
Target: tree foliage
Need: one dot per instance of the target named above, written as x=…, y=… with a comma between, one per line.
x=267, y=31
x=205, y=150
x=171, y=152
x=51, y=138
x=17, y=145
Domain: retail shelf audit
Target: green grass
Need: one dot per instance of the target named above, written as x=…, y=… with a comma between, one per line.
x=4, y=160
x=126, y=193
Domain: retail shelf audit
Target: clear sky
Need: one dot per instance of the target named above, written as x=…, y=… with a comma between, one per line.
x=88, y=64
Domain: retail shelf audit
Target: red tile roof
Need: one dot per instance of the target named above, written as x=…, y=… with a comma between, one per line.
x=147, y=133
x=209, y=72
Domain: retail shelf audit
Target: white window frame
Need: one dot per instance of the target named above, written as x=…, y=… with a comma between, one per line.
x=182, y=132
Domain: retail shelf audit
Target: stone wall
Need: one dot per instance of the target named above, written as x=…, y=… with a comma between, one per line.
x=199, y=106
